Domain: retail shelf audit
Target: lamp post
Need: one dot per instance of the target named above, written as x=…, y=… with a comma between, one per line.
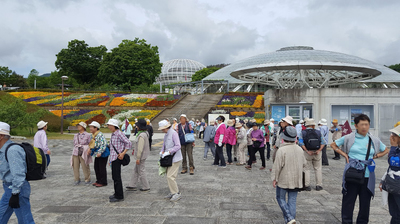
x=62, y=102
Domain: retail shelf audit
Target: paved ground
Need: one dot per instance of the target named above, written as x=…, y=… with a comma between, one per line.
x=212, y=195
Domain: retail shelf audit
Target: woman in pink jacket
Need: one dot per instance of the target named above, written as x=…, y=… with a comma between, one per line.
x=219, y=142
x=230, y=140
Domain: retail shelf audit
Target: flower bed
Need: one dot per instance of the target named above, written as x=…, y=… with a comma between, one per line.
x=242, y=100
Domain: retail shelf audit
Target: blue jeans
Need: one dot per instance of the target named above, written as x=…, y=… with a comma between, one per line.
x=48, y=159
x=24, y=214
x=207, y=146
x=288, y=207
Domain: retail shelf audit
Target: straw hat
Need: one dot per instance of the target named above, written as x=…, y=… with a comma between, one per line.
x=95, y=124
x=288, y=119
x=41, y=124
x=310, y=122
x=4, y=129
x=113, y=122
x=163, y=125
x=335, y=121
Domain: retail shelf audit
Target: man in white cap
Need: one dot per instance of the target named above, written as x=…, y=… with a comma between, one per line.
x=323, y=128
x=40, y=140
x=17, y=189
x=187, y=148
x=312, y=143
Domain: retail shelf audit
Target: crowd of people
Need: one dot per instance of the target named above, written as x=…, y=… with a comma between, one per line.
x=295, y=150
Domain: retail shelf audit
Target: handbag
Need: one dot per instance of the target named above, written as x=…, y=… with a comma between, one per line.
x=189, y=137
x=126, y=160
x=167, y=161
x=391, y=185
x=354, y=175
x=256, y=144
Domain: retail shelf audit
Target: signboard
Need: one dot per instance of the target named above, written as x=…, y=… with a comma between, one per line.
x=278, y=112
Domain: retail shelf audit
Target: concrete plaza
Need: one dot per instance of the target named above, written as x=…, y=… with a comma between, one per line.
x=212, y=195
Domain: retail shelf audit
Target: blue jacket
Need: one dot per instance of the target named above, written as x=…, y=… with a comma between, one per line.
x=14, y=171
x=182, y=135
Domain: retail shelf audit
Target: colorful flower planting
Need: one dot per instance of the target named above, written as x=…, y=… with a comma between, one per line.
x=244, y=100
x=258, y=116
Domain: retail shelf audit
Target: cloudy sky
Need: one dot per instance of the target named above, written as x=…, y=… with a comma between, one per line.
x=208, y=31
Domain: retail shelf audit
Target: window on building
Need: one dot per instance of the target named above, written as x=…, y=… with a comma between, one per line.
x=345, y=113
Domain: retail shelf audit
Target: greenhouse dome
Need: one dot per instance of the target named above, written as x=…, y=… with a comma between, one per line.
x=178, y=70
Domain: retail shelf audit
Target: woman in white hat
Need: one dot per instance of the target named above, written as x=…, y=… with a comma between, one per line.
x=100, y=150
x=171, y=146
x=80, y=156
x=40, y=140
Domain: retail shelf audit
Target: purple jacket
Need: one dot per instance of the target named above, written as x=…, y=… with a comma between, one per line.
x=230, y=136
x=258, y=134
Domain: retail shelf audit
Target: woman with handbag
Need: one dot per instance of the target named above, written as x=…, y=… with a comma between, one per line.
x=171, y=148
x=99, y=149
x=79, y=154
x=185, y=130
x=119, y=145
x=257, y=137
x=141, y=152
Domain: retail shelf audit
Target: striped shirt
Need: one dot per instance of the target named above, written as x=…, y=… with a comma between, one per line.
x=118, y=142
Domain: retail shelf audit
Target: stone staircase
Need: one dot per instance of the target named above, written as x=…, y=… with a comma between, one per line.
x=194, y=106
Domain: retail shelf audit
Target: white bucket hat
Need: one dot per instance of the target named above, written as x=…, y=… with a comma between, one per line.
x=271, y=120
x=83, y=124
x=288, y=119
x=396, y=130
x=184, y=115
x=310, y=122
x=41, y=124
x=323, y=121
x=4, y=129
x=301, y=122
x=163, y=124
x=113, y=122
x=95, y=124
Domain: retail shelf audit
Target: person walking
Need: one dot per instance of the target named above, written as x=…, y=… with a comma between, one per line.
x=287, y=174
x=100, y=150
x=312, y=142
x=257, y=138
x=16, y=189
x=336, y=131
x=171, y=146
x=127, y=128
x=150, y=131
x=209, y=134
x=323, y=128
x=219, y=142
x=202, y=127
x=40, y=140
x=186, y=147
x=80, y=155
x=119, y=145
x=230, y=140
x=359, y=149
x=267, y=135
x=141, y=153
x=242, y=142
x=393, y=173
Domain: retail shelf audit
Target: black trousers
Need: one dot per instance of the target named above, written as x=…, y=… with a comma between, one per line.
x=116, y=176
x=268, y=150
x=253, y=152
x=229, y=152
x=100, y=168
x=150, y=141
x=200, y=133
x=349, y=200
x=394, y=208
x=219, y=155
x=337, y=155
x=324, y=157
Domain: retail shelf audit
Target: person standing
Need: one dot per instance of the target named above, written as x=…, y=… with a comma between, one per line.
x=219, y=142
x=175, y=125
x=150, y=131
x=355, y=149
x=202, y=127
x=336, y=131
x=17, y=189
x=135, y=128
x=141, y=153
x=312, y=142
x=209, y=134
x=80, y=155
x=127, y=128
x=40, y=140
x=323, y=128
x=257, y=137
x=99, y=149
x=287, y=174
x=186, y=147
x=267, y=135
x=235, y=147
x=276, y=141
x=119, y=145
x=230, y=140
x=242, y=142
x=299, y=128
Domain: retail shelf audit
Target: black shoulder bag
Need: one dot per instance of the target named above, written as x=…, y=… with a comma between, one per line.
x=126, y=160
x=355, y=176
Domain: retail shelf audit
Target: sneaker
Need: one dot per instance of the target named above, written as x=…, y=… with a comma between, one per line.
x=169, y=196
x=112, y=196
x=88, y=183
x=248, y=167
x=292, y=221
x=184, y=171
x=144, y=190
x=77, y=183
x=262, y=168
x=222, y=166
x=307, y=188
x=239, y=164
x=336, y=158
x=204, y=158
x=318, y=188
x=176, y=197
x=131, y=188
x=113, y=200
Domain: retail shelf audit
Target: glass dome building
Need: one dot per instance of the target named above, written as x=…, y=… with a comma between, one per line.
x=178, y=70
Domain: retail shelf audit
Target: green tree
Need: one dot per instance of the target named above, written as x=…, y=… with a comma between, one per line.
x=395, y=67
x=5, y=74
x=201, y=74
x=132, y=63
x=80, y=62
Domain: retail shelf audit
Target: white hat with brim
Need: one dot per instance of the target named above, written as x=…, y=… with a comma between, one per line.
x=288, y=119
x=323, y=121
x=4, y=129
x=396, y=130
x=163, y=124
x=41, y=124
x=113, y=122
x=83, y=124
x=272, y=120
x=183, y=115
x=266, y=122
x=310, y=122
x=95, y=124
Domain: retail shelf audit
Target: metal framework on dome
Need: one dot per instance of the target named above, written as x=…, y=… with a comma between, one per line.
x=178, y=70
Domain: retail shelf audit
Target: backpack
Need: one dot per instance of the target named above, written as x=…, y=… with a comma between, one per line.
x=312, y=139
x=36, y=162
x=394, y=161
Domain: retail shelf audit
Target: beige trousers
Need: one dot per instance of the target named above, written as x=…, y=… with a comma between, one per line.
x=242, y=152
x=315, y=162
x=172, y=173
x=139, y=175
x=78, y=160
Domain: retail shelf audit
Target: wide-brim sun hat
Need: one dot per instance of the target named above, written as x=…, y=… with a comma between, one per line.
x=272, y=120
x=83, y=124
x=4, y=129
x=230, y=123
x=396, y=130
x=323, y=121
x=113, y=122
x=238, y=125
x=289, y=134
x=310, y=122
x=95, y=124
x=163, y=125
x=266, y=122
x=41, y=124
x=288, y=119
x=301, y=122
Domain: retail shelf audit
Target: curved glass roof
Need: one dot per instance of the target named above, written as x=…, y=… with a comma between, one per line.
x=303, y=54
x=178, y=70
